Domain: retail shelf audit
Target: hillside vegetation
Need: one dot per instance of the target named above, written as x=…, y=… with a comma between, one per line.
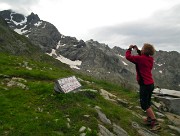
x=29, y=106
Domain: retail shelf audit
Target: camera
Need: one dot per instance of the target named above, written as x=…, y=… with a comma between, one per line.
x=134, y=46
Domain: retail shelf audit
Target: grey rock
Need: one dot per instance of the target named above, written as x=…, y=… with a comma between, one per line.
x=68, y=125
x=17, y=82
x=108, y=96
x=175, y=119
x=122, y=102
x=103, y=117
x=104, y=131
x=142, y=131
x=160, y=114
x=174, y=128
x=91, y=90
x=119, y=131
x=82, y=134
x=4, y=76
x=170, y=102
x=82, y=129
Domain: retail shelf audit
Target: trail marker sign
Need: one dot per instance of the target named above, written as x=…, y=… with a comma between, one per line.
x=66, y=85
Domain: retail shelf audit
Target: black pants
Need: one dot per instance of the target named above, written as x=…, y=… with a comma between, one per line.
x=145, y=96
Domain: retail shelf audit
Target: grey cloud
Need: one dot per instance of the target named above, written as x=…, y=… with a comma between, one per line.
x=21, y=6
x=20, y=2
x=162, y=30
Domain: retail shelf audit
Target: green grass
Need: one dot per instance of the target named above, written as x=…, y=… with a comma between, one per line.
x=38, y=111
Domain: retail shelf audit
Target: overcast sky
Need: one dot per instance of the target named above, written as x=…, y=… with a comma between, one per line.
x=113, y=22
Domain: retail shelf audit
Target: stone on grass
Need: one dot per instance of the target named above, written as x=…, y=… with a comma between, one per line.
x=82, y=129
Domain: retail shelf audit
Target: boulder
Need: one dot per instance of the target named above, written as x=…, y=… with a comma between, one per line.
x=171, y=102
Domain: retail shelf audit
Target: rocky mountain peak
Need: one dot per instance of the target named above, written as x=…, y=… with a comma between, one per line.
x=33, y=18
x=41, y=33
x=103, y=62
x=68, y=40
x=6, y=13
x=91, y=42
x=12, y=17
x=101, y=46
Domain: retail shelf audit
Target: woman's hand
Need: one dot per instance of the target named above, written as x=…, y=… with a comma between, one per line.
x=131, y=46
x=135, y=47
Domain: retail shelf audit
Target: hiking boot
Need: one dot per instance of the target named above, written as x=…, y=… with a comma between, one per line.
x=155, y=125
x=147, y=121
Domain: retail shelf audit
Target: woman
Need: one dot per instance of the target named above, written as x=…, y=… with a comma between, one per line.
x=144, y=64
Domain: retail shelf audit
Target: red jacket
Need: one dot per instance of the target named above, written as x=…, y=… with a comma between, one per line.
x=145, y=65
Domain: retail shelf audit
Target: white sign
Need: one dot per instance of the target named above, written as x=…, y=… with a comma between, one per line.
x=68, y=84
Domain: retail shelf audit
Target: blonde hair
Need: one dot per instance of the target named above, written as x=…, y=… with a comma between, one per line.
x=148, y=49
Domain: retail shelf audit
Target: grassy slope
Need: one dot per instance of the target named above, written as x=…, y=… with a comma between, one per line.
x=38, y=111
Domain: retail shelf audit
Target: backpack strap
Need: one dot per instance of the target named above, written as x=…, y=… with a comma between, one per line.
x=141, y=81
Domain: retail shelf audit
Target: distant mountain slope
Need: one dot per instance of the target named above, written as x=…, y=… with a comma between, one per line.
x=105, y=63
x=98, y=60
x=167, y=69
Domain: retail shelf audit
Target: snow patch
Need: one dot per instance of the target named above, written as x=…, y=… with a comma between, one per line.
x=21, y=31
x=59, y=45
x=62, y=36
x=38, y=23
x=62, y=45
x=18, y=23
x=124, y=63
x=159, y=64
x=18, y=31
x=72, y=64
x=121, y=56
x=160, y=71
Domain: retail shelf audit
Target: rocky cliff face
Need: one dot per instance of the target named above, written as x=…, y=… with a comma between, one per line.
x=97, y=59
x=110, y=64
x=167, y=69
x=40, y=32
